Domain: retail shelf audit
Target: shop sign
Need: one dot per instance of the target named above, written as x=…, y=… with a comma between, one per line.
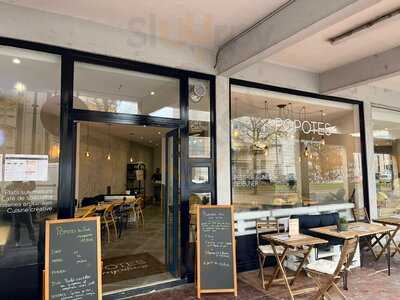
x=307, y=127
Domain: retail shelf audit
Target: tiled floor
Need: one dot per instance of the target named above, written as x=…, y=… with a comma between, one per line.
x=139, y=239
x=368, y=283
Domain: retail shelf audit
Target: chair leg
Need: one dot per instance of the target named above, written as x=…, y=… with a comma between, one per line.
x=141, y=216
x=115, y=230
x=261, y=261
x=108, y=233
x=334, y=285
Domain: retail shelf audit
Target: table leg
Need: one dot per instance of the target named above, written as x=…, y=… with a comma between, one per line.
x=388, y=253
x=276, y=269
x=279, y=263
x=345, y=278
x=387, y=245
x=396, y=246
x=306, y=254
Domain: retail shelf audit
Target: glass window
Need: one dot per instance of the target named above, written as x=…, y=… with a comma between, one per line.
x=199, y=118
x=29, y=151
x=290, y=151
x=200, y=175
x=120, y=91
x=386, y=131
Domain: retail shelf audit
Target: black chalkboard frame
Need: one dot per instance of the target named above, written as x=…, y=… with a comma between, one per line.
x=46, y=275
x=199, y=289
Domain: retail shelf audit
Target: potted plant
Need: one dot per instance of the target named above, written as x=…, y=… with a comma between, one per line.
x=342, y=224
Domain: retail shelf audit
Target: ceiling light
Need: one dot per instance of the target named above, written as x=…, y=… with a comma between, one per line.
x=16, y=61
x=159, y=132
x=373, y=24
x=152, y=93
x=20, y=87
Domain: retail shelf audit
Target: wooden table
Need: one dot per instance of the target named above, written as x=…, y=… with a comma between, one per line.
x=358, y=229
x=81, y=211
x=298, y=242
x=394, y=223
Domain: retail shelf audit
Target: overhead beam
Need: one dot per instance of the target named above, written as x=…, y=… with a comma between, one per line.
x=293, y=23
x=369, y=69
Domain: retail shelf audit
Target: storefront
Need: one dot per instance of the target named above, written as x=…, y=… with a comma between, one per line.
x=71, y=125
x=66, y=114
x=293, y=153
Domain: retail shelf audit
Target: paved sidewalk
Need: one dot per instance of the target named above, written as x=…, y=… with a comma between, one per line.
x=368, y=283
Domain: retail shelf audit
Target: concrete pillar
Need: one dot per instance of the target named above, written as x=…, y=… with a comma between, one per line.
x=223, y=140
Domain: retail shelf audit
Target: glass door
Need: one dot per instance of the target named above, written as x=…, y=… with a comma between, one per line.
x=171, y=202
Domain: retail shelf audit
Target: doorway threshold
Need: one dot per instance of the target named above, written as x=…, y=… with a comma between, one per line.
x=128, y=293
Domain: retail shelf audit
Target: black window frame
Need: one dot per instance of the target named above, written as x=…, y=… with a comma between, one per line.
x=69, y=116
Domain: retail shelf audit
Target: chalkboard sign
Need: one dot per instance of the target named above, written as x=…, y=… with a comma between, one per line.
x=72, y=259
x=216, y=257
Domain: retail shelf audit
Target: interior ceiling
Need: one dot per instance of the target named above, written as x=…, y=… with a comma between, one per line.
x=206, y=23
x=148, y=136
x=317, y=54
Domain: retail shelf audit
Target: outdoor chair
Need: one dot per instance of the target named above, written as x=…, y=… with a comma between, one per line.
x=107, y=220
x=361, y=215
x=264, y=251
x=332, y=271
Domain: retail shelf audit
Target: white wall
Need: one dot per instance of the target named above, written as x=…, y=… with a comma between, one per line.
x=38, y=26
x=223, y=141
x=273, y=74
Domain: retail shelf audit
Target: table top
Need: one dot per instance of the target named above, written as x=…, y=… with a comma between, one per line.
x=297, y=241
x=395, y=221
x=359, y=229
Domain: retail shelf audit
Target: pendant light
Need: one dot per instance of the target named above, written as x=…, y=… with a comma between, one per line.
x=87, y=153
x=322, y=121
x=131, y=160
x=108, y=155
x=236, y=131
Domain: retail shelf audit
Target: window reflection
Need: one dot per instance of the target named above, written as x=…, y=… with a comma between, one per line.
x=114, y=90
x=386, y=132
x=29, y=151
x=290, y=151
x=200, y=175
x=199, y=118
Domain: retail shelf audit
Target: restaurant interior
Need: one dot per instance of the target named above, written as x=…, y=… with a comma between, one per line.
x=120, y=175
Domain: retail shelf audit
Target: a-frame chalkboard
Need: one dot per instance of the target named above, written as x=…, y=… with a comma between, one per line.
x=73, y=259
x=215, y=250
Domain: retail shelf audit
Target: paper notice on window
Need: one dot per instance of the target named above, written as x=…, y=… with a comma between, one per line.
x=293, y=227
x=25, y=167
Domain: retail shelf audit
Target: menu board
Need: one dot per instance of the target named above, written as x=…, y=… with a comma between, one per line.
x=25, y=167
x=216, y=257
x=72, y=259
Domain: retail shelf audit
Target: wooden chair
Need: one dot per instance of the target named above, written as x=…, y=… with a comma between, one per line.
x=89, y=213
x=107, y=220
x=361, y=215
x=137, y=211
x=332, y=271
x=264, y=251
